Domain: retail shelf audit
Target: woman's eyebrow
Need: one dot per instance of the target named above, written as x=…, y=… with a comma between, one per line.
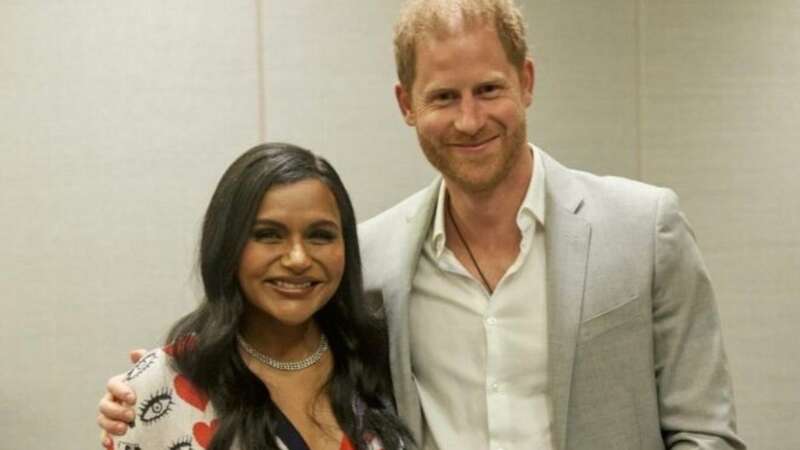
x=278, y=224
x=325, y=223
x=268, y=222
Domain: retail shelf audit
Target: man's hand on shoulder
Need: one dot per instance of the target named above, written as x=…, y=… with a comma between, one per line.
x=116, y=406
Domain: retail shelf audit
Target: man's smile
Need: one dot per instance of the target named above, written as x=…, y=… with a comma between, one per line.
x=474, y=146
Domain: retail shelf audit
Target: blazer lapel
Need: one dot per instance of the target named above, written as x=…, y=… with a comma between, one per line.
x=567, y=237
x=405, y=248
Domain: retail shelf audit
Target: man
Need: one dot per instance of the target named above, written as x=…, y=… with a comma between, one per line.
x=531, y=306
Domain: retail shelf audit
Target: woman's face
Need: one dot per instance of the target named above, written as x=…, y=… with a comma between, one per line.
x=295, y=258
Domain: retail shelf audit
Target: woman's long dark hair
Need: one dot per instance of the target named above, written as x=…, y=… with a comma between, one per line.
x=357, y=339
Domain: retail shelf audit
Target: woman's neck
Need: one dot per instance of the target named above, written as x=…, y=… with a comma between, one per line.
x=280, y=341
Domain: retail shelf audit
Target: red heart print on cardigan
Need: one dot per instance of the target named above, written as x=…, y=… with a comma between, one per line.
x=185, y=343
x=346, y=444
x=189, y=393
x=203, y=432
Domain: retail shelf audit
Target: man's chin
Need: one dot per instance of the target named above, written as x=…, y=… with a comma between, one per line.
x=474, y=183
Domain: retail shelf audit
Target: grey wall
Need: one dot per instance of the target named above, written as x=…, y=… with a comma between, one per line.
x=116, y=121
x=721, y=108
x=118, y=118
x=329, y=77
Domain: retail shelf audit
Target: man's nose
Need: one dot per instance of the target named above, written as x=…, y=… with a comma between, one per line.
x=471, y=116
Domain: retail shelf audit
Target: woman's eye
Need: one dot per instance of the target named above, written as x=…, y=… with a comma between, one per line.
x=155, y=407
x=266, y=234
x=322, y=236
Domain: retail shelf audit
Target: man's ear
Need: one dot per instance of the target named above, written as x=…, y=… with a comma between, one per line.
x=526, y=80
x=404, y=103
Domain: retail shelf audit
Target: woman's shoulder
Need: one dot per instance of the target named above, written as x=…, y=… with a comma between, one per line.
x=171, y=412
x=152, y=367
x=156, y=365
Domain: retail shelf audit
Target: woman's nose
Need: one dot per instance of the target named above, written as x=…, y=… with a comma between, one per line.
x=296, y=257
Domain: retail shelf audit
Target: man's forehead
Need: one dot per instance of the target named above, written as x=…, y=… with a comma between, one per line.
x=454, y=25
x=452, y=17
x=444, y=66
x=434, y=40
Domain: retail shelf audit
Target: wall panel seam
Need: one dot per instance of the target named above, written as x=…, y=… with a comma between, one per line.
x=261, y=77
x=639, y=89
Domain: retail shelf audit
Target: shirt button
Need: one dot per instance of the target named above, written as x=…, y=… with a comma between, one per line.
x=495, y=387
x=491, y=321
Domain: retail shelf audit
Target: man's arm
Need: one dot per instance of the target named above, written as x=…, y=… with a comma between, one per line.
x=116, y=406
x=695, y=395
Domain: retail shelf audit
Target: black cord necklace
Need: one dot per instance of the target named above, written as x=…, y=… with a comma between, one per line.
x=466, y=246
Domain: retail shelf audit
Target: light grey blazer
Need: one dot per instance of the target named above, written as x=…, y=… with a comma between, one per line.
x=635, y=353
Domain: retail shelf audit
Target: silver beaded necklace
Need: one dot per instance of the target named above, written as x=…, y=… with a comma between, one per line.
x=289, y=366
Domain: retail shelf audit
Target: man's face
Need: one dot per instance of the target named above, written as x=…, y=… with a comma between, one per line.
x=468, y=105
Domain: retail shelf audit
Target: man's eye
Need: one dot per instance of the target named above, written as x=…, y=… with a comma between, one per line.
x=443, y=98
x=155, y=407
x=489, y=90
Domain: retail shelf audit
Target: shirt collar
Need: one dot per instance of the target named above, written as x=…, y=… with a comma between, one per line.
x=530, y=211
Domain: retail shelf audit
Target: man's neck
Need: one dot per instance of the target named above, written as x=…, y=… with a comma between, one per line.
x=494, y=209
x=486, y=239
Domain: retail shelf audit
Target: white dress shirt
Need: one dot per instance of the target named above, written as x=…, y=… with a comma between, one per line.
x=480, y=359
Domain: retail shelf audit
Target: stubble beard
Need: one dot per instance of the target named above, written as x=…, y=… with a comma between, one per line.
x=476, y=175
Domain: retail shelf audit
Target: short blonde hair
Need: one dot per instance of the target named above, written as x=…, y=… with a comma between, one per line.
x=423, y=19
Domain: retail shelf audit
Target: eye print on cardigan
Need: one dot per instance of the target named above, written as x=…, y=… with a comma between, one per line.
x=156, y=407
x=146, y=361
x=184, y=443
x=127, y=446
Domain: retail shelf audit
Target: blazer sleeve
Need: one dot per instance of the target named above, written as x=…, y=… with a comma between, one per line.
x=694, y=387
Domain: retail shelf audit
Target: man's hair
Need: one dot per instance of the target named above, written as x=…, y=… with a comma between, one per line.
x=424, y=19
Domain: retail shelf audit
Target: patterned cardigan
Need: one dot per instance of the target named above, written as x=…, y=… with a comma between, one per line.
x=172, y=414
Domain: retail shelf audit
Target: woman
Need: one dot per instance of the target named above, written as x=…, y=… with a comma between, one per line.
x=282, y=352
